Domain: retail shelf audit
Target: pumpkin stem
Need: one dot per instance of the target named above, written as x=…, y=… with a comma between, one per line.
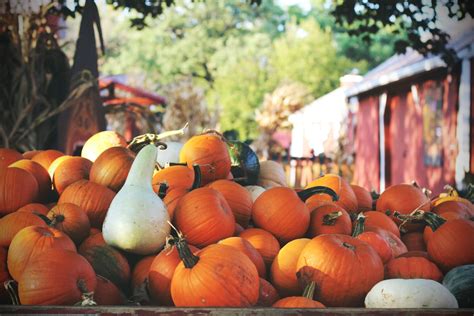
x=141, y=141
x=197, y=177
x=171, y=164
x=11, y=286
x=418, y=216
x=46, y=219
x=162, y=190
x=307, y=193
x=87, y=298
x=185, y=253
x=309, y=289
x=359, y=226
x=331, y=218
x=58, y=218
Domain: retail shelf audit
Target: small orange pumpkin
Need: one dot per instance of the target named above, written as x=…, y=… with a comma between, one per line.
x=263, y=241
x=40, y=174
x=364, y=199
x=13, y=181
x=347, y=198
x=111, y=167
x=246, y=247
x=100, y=142
x=46, y=157
x=12, y=223
x=329, y=219
x=70, y=219
x=412, y=268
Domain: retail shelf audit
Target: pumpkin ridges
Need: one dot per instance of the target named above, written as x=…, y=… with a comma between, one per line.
x=12, y=181
x=69, y=171
x=264, y=242
x=41, y=175
x=174, y=176
x=112, y=167
x=412, y=268
x=46, y=157
x=34, y=208
x=322, y=221
x=12, y=223
x=347, y=198
x=101, y=141
x=381, y=220
x=246, y=247
x=72, y=220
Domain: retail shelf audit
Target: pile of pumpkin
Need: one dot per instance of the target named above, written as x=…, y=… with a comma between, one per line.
x=205, y=223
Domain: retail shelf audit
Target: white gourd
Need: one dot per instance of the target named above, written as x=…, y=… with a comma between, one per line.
x=255, y=191
x=170, y=154
x=410, y=293
x=137, y=219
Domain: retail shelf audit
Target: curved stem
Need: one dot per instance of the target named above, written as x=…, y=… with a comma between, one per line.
x=11, y=286
x=139, y=141
x=197, y=177
x=46, y=219
x=87, y=298
x=162, y=190
x=359, y=226
x=331, y=218
x=184, y=252
x=307, y=193
x=431, y=219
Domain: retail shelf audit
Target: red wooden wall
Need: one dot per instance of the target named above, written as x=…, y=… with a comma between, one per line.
x=366, y=145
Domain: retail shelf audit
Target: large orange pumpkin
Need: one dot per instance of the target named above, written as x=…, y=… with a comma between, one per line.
x=347, y=198
x=69, y=171
x=100, y=142
x=11, y=224
x=93, y=198
x=204, y=217
x=106, y=261
x=283, y=270
x=220, y=276
x=56, y=277
x=343, y=268
x=70, y=219
x=264, y=242
x=280, y=211
x=246, y=247
x=12, y=182
x=111, y=167
x=210, y=152
x=239, y=199
x=41, y=175
x=30, y=242
x=161, y=272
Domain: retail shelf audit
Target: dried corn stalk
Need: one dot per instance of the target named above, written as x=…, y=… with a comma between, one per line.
x=274, y=113
x=186, y=104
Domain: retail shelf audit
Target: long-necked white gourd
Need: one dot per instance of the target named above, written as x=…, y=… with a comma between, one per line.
x=137, y=219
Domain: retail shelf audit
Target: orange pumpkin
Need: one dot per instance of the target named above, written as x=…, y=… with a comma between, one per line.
x=395, y=243
x=100, y=142
x=280, y=211
x=106, y=261
x=412, y=268
x=111, y=167
x=70, y=219
x=451, y=245
x=220, y=276
x=381, y=220
x=56, y=277
x=404, y=199
x=246, y=247
x=13, y=181
x=448, y=216
x=364, y=199
x=161, y=272
x=283, y=270
x=329, y=219
x=41, y=175
x=30, y=154
x=454, y=206
x=414, y=241
x=347, y=198
x=239, y=199
x=210, y=152
x=69, y=171
x=204, y=217
x=11, y=224
x=93, y=198
x=268, y=295
x=264, y=242
x=8, y=156
x=107, y=293
x=46, y=157
x=172, y=198
x=174, y=176
x=31, y=241
x=343, y=267
x=55, y=164
x=34, y=208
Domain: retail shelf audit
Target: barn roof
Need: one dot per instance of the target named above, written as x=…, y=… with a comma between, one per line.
x=402, y=66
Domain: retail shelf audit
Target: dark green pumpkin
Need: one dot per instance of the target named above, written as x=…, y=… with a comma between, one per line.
x=245, y=165
x=460, y=282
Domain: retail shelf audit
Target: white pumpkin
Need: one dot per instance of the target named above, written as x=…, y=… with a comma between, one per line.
x=271, y=175
x=170, y=154
x=410, y=293
x=255, y=191
x=137, y=219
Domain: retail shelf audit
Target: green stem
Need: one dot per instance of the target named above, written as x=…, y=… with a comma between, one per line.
x=331, y=218
x=185, y=253
x=359, y=226
x=431, y=219
x=307, y=193
x=309, y=289
x=162, y=190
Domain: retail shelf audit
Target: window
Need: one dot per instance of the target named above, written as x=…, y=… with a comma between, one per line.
x=432, y=124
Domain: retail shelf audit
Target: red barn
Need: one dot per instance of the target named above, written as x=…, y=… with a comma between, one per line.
x=413, y=120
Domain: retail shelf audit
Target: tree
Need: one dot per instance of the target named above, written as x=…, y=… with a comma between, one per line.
x=417, y=18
